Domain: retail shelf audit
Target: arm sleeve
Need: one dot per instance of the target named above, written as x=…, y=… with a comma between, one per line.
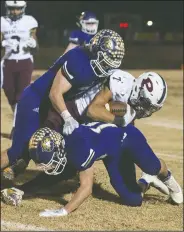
x=2, y=24
x=76, y=70
x=32, y=22
x=73, y=38
x=128, y=198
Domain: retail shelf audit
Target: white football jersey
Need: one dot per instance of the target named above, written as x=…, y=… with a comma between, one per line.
x=20, y=31
x=120, y=84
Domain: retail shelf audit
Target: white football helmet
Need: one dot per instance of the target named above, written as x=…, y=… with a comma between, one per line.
x=10, y=5
x=88, y=23
x=148, y=94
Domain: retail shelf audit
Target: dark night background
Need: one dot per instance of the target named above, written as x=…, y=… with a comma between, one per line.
x=168, y=15
x=57, y=18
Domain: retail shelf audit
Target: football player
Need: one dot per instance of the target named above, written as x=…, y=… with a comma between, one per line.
x=71, y=75
x=143, y=95
x=18, y=37
x=88, y=24
x=120, y=148
x=120, y=87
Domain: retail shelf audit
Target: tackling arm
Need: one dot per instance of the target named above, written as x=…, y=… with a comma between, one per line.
x=85, y=189
x=59, y=87
x=97, y=110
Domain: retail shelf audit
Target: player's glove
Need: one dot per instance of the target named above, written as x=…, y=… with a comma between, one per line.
x=53, y=213
x=70, y=123
x=10, y=44
x=31, y=43
x=12, y=196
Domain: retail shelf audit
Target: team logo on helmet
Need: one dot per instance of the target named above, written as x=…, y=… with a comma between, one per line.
x=47, y=144
x=107, y=44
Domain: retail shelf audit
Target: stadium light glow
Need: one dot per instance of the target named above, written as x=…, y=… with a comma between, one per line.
x=149, y=23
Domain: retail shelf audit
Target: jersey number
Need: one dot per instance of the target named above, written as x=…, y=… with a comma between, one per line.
x=118, y=79
x=148, y=83
x=18, y=48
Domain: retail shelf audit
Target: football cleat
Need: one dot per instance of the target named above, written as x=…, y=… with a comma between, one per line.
x=154, y=182
x=12, y=196
x=175, y=190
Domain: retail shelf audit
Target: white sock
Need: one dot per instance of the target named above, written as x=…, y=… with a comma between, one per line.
x=14, y=116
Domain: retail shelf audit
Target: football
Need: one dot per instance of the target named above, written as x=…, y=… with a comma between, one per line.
x=117, y=108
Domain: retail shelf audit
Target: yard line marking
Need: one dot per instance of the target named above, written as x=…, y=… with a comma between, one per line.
x=16, y=225
x=168, y=124
x=170, y=156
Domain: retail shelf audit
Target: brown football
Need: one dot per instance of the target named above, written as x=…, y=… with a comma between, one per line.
x=117, y=108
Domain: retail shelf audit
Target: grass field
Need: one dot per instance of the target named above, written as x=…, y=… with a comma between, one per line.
x=102, y=210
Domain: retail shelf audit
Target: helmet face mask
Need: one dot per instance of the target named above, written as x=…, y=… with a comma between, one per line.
x=88, y=23
x=46, y=149
x=56, y=165
x=89, y=26
x=101, y=66
x=107, y=49
x=143, y=107
x=15, y=9
x=148, y=94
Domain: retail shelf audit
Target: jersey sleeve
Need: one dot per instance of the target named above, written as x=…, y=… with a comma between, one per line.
x=74, y=38
x=2, y=24
x=120, y=85
x=32, y=22
x=128, y=197
x=76, y=70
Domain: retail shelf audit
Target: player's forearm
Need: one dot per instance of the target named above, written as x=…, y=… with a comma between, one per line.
x=85, y=189
x=100, y=113
x=78, y=198
x=57, y=101
x=59, y=87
